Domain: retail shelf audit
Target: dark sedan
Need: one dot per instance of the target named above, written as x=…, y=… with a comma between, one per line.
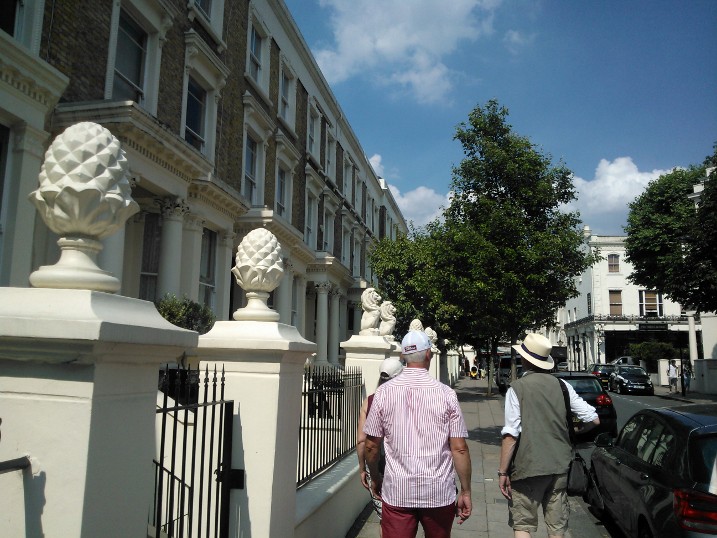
x=659, y=477
x=631, y=379
x=602, y=372
x=589, y=389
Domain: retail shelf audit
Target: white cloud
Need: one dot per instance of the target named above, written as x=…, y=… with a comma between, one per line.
x=516, y=41
x=603, y=200
x=421, y=205
x=402, y=43
x=376, y=164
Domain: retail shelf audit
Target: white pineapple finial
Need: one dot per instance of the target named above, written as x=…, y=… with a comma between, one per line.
x=258, y=270
x=84, y=196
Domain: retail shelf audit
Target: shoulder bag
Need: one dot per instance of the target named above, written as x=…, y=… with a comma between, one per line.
x=578, y=474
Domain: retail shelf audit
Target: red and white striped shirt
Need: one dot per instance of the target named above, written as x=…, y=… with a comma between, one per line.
x=416, y=415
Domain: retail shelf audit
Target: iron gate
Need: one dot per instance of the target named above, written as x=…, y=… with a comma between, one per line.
x=192, y=470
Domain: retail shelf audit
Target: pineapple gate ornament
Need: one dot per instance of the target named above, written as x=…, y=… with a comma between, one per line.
x=84, y=196
x=258, y=270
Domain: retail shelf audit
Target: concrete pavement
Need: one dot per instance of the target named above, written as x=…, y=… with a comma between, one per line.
x=484, y=419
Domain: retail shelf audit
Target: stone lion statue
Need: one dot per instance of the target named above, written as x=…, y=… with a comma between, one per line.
x=388, y=319
x=416, y=325
x=432, y=336
x=370, y=302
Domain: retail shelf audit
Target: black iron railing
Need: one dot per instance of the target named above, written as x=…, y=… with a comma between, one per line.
x=331, y=401
x=18, y=464
x=602, y=318
x=193, y=466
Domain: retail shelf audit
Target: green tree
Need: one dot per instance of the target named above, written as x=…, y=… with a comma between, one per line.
x=529, y=248
x=669, y=244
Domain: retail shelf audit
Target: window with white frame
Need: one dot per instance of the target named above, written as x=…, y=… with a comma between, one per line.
x=287, y=159
x=613, y=263
x=137, y=30
x=313, y=134
x=251, y=169
x=311, y=214
x=207, y=268
x=195, y=115
x=149, y=268
x=348, y=179
x=258, y=127
x=129, y=64
x=330, y=207
x=204, y=77
x=287, y=94
x=210, y=14
x=258, y=53
x=650, y=303
x=22, y=20
x=330, y=164
x=615, y=297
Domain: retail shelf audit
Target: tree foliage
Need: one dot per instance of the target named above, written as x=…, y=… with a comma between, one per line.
x=505, y=256
x=670, y=244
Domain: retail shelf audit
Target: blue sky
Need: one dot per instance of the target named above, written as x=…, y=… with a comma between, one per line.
x=620, y=90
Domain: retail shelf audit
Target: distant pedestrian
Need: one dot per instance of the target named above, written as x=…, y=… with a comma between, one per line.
x=424, y=434
x=533, y=473
x=687, y=375
x=390, y=368
x=672, y=376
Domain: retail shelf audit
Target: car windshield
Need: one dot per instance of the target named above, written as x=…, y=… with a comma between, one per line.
x=703, y=456
x=583, y=385
x=633, y=370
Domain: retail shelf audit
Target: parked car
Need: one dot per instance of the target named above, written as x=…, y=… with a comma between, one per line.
x=591, y=390
x=656, y=478
x=563, y=367
x=502, y=377
x=627, y=379
x=626, y=359
x=602, y=372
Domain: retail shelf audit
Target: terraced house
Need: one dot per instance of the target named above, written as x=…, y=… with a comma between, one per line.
x=228, y=125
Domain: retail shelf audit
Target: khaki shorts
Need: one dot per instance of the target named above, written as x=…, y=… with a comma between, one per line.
x=531, y=493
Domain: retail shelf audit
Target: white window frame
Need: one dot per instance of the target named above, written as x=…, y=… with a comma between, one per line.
x=331, y=206
x=251, y=176
x=212, y=22
x=155, y=18
x=261, y=82
x=659, y=303
x=311, y=212
x=287, y=159
x=610, y=264
x=206, y=69
x=287, y=95
x=28, y=24
x=313, y=132
x=348, y=178
x=259, y=126
x=330, y=164
x=208, y=286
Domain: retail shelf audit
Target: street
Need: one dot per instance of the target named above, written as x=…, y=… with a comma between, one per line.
x=626, y=406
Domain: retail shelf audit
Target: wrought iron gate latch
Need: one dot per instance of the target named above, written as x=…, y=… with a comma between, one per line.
x=233, y=477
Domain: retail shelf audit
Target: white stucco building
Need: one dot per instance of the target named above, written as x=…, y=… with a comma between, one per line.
x=610, y=313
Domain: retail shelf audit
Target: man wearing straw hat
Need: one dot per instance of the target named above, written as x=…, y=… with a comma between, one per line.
x=533, y=472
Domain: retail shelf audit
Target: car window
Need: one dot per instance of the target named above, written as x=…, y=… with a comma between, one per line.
x=647, y=439
x=634, y=370
x=629, y=434
x=583, y=386
x=666, y=448
x=703, y=460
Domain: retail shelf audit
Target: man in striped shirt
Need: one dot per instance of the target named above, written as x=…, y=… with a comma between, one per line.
x=424, y=435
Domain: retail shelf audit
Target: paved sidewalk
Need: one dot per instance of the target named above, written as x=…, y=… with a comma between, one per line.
x=484, y=419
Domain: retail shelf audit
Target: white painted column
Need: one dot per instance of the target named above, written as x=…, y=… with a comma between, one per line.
x=301, y=305
x=692, y=336
x=322, y=321
x=193, y=227
x=223, y=283
x=170, y=249
x=333, y=328
x=264, y=367
x=284, y=293
x=111, y=257
x=28, y=145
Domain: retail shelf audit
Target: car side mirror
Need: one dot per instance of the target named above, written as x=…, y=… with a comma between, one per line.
x=604, y=440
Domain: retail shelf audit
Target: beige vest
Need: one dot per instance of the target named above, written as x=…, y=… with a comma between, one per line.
x=544, y=444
